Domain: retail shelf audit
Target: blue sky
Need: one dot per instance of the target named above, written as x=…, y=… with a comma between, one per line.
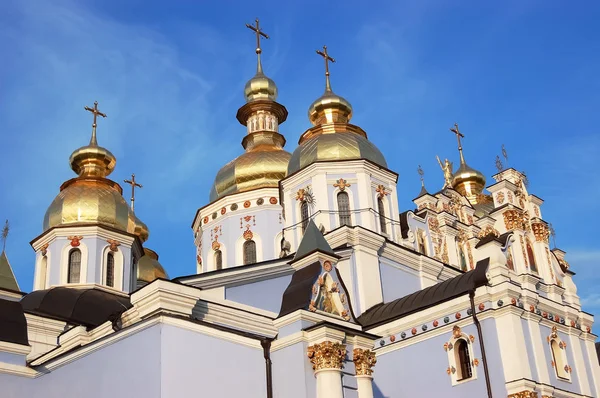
x=170, y=76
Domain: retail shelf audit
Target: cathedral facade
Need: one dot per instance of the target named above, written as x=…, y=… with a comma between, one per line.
x=309, y=280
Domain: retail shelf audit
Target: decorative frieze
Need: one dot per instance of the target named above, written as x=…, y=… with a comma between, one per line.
x=326, y=355
x=513, y=219
x=541, y=232
x=524, y=394
x=488, y=230
x=364, y=360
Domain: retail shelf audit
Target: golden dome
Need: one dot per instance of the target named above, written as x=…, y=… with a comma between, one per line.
x=141, y=229
x=468, y=182
x=262, y=166
x=148, y=267
x=260, y=87
x=330, y=108
x=334, y=146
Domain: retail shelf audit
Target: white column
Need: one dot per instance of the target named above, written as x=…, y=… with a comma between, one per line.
x=364, y=360
x=327, y=358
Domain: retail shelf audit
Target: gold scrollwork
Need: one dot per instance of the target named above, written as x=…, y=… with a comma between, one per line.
x=326, y=355
x=364, y=360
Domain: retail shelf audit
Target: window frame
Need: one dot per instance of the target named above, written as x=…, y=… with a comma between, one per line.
x=70, y=265
x=248, y=245
x=344, y=211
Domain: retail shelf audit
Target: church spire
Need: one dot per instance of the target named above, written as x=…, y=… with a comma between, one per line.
x=5, y=231
x=256, y=29
x=459, y=135
x=260, y=86
x=327, y=59
x=96, y=113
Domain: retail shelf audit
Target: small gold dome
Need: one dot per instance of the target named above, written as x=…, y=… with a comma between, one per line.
x=334, y=146
x=141, y=229
x=251, y=170
x=260, y=87
x=330, y=108
x=92, y=161
x=468, y=182
x=148, y=267
x=90, y=200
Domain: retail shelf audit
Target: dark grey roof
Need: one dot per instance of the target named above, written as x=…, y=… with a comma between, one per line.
x=502, y=239
x=312, y=241
x=428, y=297
x=298, y=294
x=7, y=277
x=404, y=228
x=13, y=325
x=423, y=191
x=88, y=307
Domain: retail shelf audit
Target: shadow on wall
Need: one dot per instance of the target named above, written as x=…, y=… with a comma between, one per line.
x=377, y=392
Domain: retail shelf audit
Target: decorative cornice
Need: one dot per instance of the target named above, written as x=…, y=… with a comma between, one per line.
x=524, y=394
x=364, y=360
x=326, y=355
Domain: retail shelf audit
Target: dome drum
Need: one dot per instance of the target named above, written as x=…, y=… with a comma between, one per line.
x=251, y=108
x=468, y=182
x=92, y=161
x=149, y=269
x=330, y=108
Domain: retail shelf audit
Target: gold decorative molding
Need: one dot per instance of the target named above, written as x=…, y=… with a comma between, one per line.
x=44, y=249
x=381, y=191
x=75, y=240
x=488, y=230
x=364, y=360
x=500, y=198
x=114, y=244
x=524, y=394
x=513, y=219
x=326, y=355
x=248, y=235
x=541, y=231
x=341, y=184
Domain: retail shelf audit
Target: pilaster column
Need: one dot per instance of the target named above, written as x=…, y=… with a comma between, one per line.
x=364, y=360
x=327, y=358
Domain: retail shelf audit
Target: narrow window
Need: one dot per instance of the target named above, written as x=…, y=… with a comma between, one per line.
x=74, y=266
x=463, y=259
x=249, y=252
x=218, y=259
x=304, y=215
x=559, y=363
x=110, y=269
x=463, y=360
x=343, y=202
x=531, y=258
x=381, y=210
x=43, y=272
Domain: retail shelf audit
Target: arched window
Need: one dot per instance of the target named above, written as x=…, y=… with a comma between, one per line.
x=74, y=271
x=463, y=259
x=304, y=215
x=343, y=202
x=463, y=360
x=218, y=259
x=421, y=242
x=531, y=258
x=43, y=272
x=381, y=210
x=249, y=252
x=110, y=269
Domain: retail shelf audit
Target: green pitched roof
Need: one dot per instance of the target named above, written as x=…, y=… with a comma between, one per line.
x=312, y=240
x=7, y=277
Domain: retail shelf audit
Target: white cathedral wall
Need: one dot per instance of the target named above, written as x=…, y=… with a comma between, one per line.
x=293, y=376
x=265, y=294
x=397, y=281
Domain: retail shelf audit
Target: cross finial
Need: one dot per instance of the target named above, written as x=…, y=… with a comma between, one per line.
x=327, y=58
x=5, y=234
x=459, y=135
x=499, y=164
x=505, y=154
x=421, y=174
x=96, y=113
x=133, y=184
x=259, y=33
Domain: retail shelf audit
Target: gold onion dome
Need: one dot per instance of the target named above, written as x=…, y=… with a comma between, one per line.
x=466, y=180
x=332, y=137
x=91, y=198
x=264, y=162
x=148, y=267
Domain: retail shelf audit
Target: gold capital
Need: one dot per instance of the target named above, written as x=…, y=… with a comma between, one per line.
x=364, y=360
x=326, y=355
x=327, y=58
x=96, y=113
x=133, y=184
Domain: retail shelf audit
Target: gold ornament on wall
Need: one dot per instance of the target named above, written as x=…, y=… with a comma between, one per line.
x=113, y=245
x=44, y=249
x=364, y=360
x=500, y=198
x=524, y=394
x=488, y=230
x=381, y=191
x=341, y=184
x=75, y=240
x=326, y=355
x=540, y=231
x=248, y=235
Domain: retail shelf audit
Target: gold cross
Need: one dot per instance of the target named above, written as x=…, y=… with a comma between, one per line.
x=5, y=234
x=327, y=58
x=459, y=135
x=133, y=184
x=421, y=174
x=96, y=113
x=259, y=33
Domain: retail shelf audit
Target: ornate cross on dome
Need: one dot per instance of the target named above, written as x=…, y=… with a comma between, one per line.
x=96, y=113
x=327, y=58
x=421, y=174
x=459, y=135
x=5, y=234
x=259, y=33
x=133, y=184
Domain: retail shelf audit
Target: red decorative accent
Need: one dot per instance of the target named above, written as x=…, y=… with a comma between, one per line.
x=481, y=307
x=588, y=329
x=327, y=266
x=457, y=315
x=513, y=301
x=273, y=200
x=114, y=244
x=247, y=218
x=545, y=314
x=435, y=323
x=44, y=249
x=556, y=318
x=223, y=210
x=199, y=259
x=247, y=204
x=206, y=220
x=392, y=338
x=75, y=240
x=572, y=324
x=216, y=245
x=248, y=235
x=414, y=331
x=531, y=308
